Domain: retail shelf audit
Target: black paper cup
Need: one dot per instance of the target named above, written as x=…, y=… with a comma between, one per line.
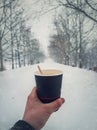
x=48, y=85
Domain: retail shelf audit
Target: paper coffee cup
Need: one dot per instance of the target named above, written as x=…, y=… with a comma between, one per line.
x=48, y=84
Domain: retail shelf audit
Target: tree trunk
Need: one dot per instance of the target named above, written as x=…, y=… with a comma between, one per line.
x=24, y=56
x=12, y=52
x=80, y=39
x=19, y=59
x=1, y=57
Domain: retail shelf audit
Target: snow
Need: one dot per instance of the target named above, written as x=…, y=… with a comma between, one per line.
x=79, y=88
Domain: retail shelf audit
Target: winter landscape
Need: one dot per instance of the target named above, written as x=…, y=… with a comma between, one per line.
x=54, y=34
x=79, y=89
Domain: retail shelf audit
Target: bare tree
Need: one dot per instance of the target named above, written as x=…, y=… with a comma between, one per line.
x=90, y=5
x=3, y=21
x=16, y=44
x=61, y=40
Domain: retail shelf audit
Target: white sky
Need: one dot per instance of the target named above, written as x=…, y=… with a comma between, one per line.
x=42, y=29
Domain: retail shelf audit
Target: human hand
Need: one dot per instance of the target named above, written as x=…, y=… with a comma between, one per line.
x=37, y=113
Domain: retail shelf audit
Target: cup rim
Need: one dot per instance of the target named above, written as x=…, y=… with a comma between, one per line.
x=56, y=74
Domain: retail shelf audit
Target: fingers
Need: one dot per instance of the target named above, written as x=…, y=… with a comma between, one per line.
x=51, y=107
x=55, y=105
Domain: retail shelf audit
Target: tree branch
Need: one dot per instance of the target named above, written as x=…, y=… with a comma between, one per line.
x=5, y=5
x=90, y=5
x=75, y=7
x=49, y=10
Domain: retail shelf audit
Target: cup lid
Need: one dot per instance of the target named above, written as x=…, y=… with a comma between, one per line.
x=49, y=72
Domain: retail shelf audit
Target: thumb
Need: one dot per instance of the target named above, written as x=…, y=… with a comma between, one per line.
x=55, y=105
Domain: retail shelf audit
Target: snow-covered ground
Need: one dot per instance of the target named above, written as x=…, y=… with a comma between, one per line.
x=79, y=89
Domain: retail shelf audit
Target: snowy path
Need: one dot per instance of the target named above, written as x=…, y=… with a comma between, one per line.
x=79, y=90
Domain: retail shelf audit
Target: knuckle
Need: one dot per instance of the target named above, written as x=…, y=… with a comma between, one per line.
x=29, y=97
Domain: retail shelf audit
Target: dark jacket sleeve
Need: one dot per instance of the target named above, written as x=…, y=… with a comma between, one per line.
x=22, y=125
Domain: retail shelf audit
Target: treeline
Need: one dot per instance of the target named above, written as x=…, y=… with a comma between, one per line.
x=17, y=44
x=74, y=41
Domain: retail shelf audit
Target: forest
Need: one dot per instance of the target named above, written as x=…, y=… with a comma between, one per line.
x=73, y=41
